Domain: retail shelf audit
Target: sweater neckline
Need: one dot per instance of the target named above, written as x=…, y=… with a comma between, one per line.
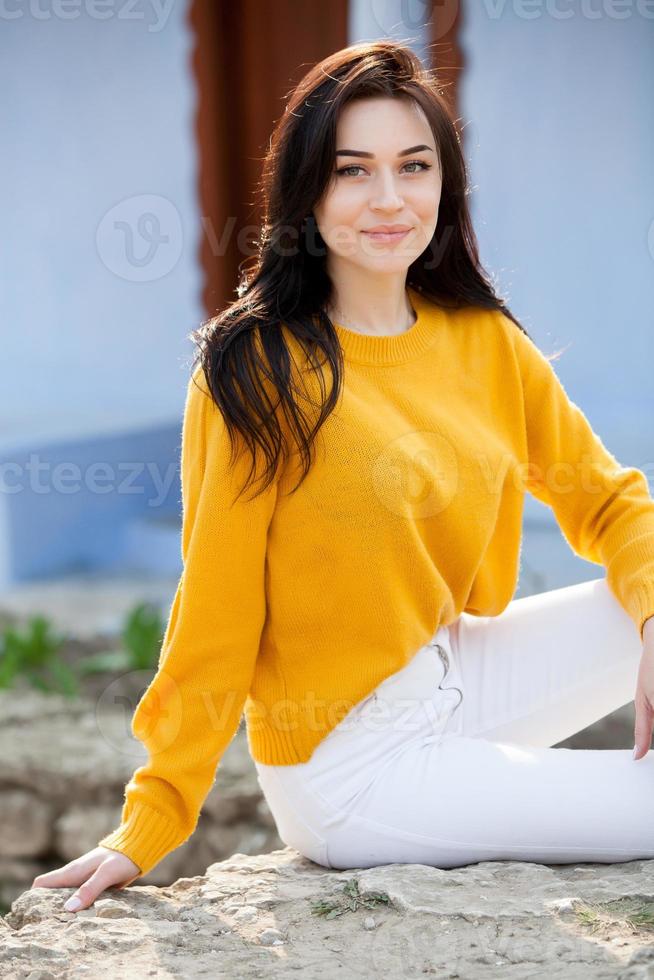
x=393, y=348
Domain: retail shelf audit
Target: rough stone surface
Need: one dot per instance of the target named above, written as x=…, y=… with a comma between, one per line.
x=63, y=769
x=256, y=916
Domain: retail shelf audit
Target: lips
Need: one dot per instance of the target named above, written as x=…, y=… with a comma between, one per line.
x=392, y=235
x=387, y=229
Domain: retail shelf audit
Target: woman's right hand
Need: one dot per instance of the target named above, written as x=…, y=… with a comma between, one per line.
x=90, y=874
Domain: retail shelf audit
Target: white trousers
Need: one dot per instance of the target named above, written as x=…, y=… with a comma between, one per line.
x=449, y=761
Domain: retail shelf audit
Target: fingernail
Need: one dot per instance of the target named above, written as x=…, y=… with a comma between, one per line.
x=634, y=751
x=72, y=905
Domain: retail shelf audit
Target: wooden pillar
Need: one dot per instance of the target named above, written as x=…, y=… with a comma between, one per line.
x=247, y=56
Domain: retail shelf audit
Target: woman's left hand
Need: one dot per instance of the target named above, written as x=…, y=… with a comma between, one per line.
x=644, y=699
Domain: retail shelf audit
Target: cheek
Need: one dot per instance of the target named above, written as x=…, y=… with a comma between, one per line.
x=342, y=208
x=431, y=189
x=426, y=202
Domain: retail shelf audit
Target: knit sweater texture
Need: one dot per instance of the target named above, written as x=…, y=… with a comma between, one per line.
x=293, y=607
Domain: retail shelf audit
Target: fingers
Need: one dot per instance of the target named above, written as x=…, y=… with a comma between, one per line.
x=101, y=879
x=71, y=874
x=91, y=875
x=643, y=727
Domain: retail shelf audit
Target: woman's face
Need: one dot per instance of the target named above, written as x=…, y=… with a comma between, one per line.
x=373, y=185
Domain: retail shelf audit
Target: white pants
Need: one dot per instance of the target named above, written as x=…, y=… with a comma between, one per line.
x=450, y=761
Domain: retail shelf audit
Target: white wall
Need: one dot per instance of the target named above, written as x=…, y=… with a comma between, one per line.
x=97, y=120
x=560, y=138
x=402, y=20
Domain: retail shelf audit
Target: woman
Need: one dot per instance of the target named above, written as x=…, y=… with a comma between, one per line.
x=400, y=705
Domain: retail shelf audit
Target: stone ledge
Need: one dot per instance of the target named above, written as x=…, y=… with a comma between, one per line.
x=257, y=916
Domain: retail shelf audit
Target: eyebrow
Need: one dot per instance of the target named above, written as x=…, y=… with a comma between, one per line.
x=371, y=156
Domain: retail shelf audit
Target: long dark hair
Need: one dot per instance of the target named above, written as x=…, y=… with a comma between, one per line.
x=246, y=350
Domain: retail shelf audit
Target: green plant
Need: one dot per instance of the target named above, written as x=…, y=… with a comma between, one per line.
x=141, y=637
x=33, y=653
x=351, y=902
x=629, y=914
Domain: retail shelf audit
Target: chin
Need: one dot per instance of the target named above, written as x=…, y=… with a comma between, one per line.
x=388, y=262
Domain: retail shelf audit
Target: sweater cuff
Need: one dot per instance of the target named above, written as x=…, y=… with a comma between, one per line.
x=642, y=607
x=643, y=620
x=146, y=837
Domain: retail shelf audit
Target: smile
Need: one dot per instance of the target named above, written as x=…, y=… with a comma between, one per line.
x=386, y=236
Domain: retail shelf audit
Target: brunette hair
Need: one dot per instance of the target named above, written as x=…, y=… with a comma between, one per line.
x=244, y=353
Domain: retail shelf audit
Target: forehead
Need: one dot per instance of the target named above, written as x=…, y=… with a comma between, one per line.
x=382, y=124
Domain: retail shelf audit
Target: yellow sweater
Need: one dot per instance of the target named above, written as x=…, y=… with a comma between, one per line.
x=295, y=606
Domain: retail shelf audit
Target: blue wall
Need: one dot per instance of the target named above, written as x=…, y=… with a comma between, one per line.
x=97, y=503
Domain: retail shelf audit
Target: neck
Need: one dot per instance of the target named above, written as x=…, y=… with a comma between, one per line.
x=383, y=316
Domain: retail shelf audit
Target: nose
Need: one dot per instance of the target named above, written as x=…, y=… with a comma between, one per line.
x=386, y=196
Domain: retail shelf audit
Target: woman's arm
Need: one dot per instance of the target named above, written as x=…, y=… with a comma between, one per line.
x=604, y=509
x=192, y=708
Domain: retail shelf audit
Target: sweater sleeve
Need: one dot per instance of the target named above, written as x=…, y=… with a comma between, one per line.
x=192, y=708
x=604, y=509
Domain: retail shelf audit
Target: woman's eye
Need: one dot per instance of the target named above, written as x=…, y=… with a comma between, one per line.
x=423, y=166
x=345, y=170
x=411, y=163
